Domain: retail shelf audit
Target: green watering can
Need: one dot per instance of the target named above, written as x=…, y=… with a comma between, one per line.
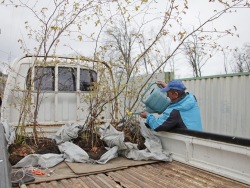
x=157, y=101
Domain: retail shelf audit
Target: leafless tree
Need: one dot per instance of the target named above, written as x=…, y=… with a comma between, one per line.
x=198, y=44
x=121, y=41
x=225, y=60
x=56, y=24
x=241, y=59
x=197, y=53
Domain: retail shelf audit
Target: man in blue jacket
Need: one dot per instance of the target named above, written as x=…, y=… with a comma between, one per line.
x=182, y=112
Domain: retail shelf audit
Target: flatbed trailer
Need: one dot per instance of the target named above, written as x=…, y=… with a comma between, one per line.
x=161, y=174
x=199, y=159
x=181, y=172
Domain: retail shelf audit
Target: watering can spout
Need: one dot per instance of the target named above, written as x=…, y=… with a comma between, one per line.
x=157, y=101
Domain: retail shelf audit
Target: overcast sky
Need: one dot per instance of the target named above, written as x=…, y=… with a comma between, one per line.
x=12, y=28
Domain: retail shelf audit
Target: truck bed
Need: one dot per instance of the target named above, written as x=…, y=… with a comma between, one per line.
x=161, y=174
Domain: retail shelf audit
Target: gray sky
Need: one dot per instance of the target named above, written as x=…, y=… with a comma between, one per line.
x=239, y=19
x=12, y=28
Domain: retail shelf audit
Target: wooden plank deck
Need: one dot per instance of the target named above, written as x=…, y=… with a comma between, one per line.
x=163, y=174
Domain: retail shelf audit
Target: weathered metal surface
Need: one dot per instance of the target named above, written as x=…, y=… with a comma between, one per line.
x=222, y=158
x=4, y=161
x=170, y=174
x=224, y=103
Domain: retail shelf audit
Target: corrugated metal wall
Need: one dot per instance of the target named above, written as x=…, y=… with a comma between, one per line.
x=224, y=103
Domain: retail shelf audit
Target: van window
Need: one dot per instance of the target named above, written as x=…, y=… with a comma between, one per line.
x=87, y=77
x=67, y=79
x=44, y=78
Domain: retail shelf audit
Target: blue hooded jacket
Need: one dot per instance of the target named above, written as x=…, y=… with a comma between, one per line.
x=183, y=113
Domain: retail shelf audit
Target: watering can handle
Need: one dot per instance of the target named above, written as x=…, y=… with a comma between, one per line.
x=150, y=85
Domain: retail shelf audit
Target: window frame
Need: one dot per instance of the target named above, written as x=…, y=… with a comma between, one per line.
x=31, y=76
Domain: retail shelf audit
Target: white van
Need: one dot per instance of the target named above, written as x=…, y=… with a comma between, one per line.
x=61, y=85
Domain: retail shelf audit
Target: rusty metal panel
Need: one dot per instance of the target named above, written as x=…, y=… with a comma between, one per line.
x=224, y=103
x=163, y=174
